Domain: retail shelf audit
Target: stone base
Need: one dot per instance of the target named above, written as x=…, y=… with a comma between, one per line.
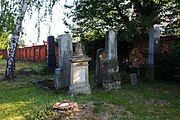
x=81, y=88
x=112, y=86
x=153, y=73
x=111, y=81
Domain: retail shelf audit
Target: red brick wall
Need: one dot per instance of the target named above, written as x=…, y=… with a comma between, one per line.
x=33, y=53
x=139, y=53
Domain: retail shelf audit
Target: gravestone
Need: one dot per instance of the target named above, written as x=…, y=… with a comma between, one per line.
x=133, y=77
x=62, y=77
x=51, y=54
x=154, y=50
x=79, y=82
x=111, y=78
x=100, y=57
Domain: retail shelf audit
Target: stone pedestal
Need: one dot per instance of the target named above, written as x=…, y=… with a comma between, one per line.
x=79, y=82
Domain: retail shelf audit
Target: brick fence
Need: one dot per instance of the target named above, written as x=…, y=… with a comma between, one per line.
x=33, y=53
x=139, y=52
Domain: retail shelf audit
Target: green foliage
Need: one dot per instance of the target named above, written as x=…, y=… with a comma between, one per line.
x=4, y=41
x=130, y=18
x=170, y=65
x=7, y=16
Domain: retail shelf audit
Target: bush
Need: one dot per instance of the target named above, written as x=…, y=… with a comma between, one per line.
x=170, y=65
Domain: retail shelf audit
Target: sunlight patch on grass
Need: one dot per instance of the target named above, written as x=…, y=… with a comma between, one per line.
x=14, y=110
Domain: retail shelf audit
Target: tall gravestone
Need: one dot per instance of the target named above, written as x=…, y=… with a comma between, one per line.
x=51, y=54
x=154, y=50
x=62, y=78
x=111, y=78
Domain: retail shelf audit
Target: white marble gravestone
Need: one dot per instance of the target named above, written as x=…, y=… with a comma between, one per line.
x=79, y=82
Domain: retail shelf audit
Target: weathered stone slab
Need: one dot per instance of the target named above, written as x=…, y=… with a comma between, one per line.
x=111, y=78
x=154, y=46
x=65, y=53
x=154, y=51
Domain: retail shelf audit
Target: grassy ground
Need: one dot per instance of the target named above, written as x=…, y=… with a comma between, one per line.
x=20, y=99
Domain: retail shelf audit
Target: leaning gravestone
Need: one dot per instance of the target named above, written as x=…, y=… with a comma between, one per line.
x=79, y=72
x=62, y=74
x=154, y=51
x=111, y=78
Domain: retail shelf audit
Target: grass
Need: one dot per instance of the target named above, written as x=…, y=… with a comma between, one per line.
x=20, y=99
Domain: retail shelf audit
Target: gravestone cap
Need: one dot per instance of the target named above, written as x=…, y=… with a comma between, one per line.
x=79, y=55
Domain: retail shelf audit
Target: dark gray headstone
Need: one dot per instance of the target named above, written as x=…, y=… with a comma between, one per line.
x=51, y=53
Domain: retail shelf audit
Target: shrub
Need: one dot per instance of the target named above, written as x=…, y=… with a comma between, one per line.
x=170, y=65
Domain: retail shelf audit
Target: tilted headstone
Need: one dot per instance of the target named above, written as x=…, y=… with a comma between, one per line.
x=111, y=77
x=65, y=53
x=154, y=50
x=79, y=72
x=100, y=57
x=51, y=54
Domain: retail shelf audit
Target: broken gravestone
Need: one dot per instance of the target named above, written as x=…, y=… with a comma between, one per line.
x=109, y=74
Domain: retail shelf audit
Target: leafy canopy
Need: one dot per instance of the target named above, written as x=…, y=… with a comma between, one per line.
x=130, y=18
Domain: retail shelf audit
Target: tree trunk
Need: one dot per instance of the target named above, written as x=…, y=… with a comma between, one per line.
x=9, y=73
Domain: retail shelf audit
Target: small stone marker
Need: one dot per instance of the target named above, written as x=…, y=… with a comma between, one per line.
x=133, y=77
x=79, y=72
x=65, y=53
